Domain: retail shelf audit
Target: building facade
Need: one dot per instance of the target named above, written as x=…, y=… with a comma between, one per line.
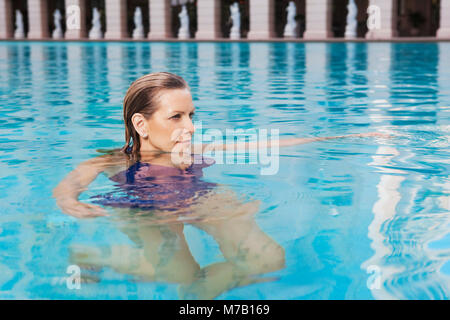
x=211, y=19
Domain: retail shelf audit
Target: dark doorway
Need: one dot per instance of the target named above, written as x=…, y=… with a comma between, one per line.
x=51, y=8
x=418, y=18
x=339, y=17
x=281, y=16
x=22, y=6
x=100, y=5
x=131, y=7
x=226, y=22
x=191, y=7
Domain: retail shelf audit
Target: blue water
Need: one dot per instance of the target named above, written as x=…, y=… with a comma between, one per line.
x=356, y=218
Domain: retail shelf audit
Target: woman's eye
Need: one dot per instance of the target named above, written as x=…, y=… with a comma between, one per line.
x=191, y=115
x=177, y=116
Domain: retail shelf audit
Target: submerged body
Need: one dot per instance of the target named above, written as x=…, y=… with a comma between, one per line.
x=151, y=186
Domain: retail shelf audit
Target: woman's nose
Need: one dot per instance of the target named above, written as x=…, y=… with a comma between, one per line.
x=189, y=126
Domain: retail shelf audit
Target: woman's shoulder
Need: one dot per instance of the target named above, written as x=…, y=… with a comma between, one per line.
x=111, y=162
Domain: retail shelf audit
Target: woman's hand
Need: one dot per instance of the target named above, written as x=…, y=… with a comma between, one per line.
x=79, y=209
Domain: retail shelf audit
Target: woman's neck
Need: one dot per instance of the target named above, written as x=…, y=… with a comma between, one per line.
x=162, y=158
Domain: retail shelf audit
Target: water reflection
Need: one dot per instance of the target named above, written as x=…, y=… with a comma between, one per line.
x=286, y=81
x=60, y=102
x=407, y=207
x=415, y=91
x=403, y=215
x=135, y=61
x=95, y=71
x=189, y=69
x=347, y=82
x=384, y=210
x=231, y=71
x=233, y=81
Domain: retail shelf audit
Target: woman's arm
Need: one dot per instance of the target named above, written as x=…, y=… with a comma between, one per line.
x=68, y=190
x=282, y=142
x=295, y=141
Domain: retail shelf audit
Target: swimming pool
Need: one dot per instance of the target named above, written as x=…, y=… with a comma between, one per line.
x=357, y=218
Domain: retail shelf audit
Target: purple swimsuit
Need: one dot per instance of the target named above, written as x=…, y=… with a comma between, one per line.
x=148, y=186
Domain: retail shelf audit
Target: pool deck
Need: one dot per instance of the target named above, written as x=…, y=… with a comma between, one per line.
x=397, y=39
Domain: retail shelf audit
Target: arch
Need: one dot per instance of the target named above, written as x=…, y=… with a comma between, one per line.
x=417, y=18
x=191, y=7
x=131, y=7
x=100, y=5
x=339, y=18
x=226, y=22
x=281, y=16
x=21, y=5
x=51, y=8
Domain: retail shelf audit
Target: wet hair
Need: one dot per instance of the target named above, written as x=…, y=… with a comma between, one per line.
x=142, y=97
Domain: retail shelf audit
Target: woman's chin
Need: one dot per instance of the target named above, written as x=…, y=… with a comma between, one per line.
x=181, y=154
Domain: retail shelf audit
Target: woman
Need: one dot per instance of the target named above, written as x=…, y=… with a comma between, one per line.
x=158, y=111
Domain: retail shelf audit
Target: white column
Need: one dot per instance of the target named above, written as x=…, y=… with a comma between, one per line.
x=75, y=19
x=208, y=19
x=37, y=19
x=160, y=19
x=6, y=19
x=318, y=19
x=388, y=19
x=444, y=28
x=262, y=18
x=116, y=19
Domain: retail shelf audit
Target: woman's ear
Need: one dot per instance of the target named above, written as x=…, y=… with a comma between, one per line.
x=140, y=124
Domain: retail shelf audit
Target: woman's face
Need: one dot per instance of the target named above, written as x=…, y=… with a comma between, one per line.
x=170, y=128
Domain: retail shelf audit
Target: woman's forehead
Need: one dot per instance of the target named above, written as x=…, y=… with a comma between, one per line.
x=176, y=99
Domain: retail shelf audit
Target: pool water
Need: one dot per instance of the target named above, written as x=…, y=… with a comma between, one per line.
x=355, y=218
